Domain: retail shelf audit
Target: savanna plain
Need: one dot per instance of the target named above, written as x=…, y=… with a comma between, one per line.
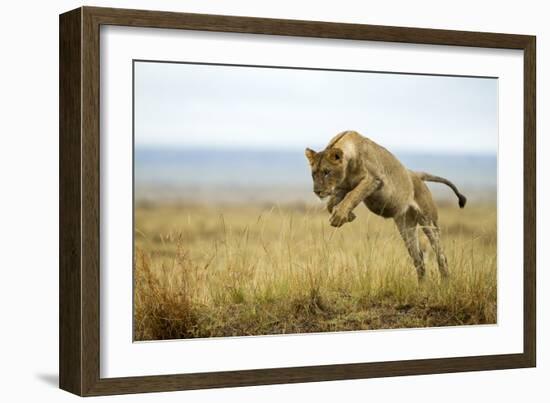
x=215, y=270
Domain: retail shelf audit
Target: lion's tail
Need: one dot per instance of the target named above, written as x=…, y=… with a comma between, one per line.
x=432, y=178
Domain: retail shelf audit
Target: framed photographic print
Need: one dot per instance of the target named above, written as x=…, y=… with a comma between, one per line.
x=249, y=201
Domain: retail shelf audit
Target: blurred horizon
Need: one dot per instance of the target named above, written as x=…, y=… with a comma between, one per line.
x=216, y=176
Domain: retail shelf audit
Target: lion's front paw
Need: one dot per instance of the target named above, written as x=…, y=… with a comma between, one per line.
x=331, y=205
x=340, y=216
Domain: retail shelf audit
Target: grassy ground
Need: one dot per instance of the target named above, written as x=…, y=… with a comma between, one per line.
x=251, y=270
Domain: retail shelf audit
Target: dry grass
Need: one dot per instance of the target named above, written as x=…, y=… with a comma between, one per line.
x=251, y=270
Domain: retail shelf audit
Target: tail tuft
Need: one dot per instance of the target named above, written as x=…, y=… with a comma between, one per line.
x=461, y=201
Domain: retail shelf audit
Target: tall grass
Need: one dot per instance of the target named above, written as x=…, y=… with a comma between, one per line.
x=251, y=270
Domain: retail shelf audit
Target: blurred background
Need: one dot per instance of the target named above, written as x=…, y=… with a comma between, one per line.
x=237, y=134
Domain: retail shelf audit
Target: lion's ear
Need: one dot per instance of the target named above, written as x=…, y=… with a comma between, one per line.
x=335, y=155
x=310, y=155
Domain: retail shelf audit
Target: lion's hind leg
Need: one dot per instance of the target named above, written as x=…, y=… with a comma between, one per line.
x=426, y=215
x=434, y=236
x=407, y=226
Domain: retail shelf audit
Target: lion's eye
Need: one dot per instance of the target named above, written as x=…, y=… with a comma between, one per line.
x=326, y=172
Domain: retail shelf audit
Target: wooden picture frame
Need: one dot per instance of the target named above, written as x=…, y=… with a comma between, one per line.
x=79, y=279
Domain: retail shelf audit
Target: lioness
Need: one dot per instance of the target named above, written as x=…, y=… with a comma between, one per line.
x=354, y=169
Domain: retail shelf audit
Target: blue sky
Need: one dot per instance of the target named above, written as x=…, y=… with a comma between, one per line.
x=228, y=107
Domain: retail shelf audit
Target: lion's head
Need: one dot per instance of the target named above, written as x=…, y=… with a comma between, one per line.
x=327, y=170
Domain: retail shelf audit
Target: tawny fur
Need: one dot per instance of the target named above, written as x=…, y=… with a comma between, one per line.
x=354, y=169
